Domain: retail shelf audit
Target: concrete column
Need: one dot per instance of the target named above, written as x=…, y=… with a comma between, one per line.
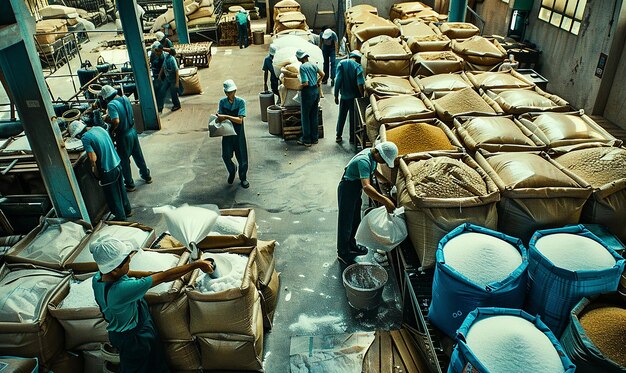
x=181, y=21
x=458, y=8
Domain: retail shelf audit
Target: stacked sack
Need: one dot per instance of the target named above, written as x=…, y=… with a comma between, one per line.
x=247, y=5
x=288, y=16
x=204, y=16
x=166, y=21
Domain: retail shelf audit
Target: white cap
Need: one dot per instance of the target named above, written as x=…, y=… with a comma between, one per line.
x=300, y=54
x=388, y=151
x=327, y=33
x=272, y=49
x=156, y=45
x=356, y=54
x=107, y=92
x=76, y=127
x=159, y=35
x=109, y=252
x=229, y=86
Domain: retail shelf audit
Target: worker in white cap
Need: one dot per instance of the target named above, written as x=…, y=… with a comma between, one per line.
x=233, y=108
x=357, y=178
x=329, y=45
x=350, y=83
x=105, y=165
x=165, y=42
x=170, y=81
x=268, y=71
x=156, y=63
x=242, y=27
x=122, y=119
x=120, y=293
x=310, y=77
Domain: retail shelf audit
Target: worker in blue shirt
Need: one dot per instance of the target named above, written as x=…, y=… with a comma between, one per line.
x=105, y=166
x=310, y=76
x=120, y=293
x=329, y=46
x=242, y=28
x=156, y=63
x=170, y=80
x=165, y=42
x=120, y=116
x=233, y=108
x=350, y=85
x=268, y=70
x=356, y=178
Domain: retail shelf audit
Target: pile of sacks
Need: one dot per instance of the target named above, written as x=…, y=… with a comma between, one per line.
x=199, y=13
x=59, y=18
x=247, y=5
x=288, y=16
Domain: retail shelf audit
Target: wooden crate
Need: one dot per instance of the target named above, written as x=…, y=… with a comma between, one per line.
x=194, y=54
x=228, y=33
x=394, y=351
x=292, y=124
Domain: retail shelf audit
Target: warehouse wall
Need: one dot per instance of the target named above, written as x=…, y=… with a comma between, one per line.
x=496, y=16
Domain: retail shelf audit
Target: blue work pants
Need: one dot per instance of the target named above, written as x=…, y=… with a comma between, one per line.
x=349, y=198
x=330, y=61
x=242, y=30
x=167, y=86
x=127, y=145
x=346, y=106
x=309, y=108
x=236, y=145
x=114, y=193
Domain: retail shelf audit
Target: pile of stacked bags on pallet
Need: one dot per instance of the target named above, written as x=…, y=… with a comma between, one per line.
x=60, y=19
x=199, y=14
x=247, y=5
x=288, y=17
x=48, y=310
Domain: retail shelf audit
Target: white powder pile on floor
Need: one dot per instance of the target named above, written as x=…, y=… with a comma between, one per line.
x=311, y=324
x=481, y=258
x=511, y=344
x=229, y=225
x=575, y=253
x=231, y=268
x=55, y=242
x=154, y=262
x=80, y=296
x=135, y=236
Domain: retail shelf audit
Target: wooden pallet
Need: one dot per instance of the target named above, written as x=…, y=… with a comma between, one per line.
x=194, y=54
x=394, y=351
x=292, y=124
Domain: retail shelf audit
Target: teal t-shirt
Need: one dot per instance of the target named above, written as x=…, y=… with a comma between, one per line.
x=170, y=67
x=349, y=77
x=97, y=140
x=242, y=18
x=121, y=308
x=236, y=109
x=308, y=73
x=361, y=166
x=118, y=109
x=167, y=43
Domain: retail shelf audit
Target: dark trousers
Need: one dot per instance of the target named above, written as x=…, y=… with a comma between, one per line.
x=167, y=86
x=309, y=108
x=128, y=146
x=114, y=193
x=242, y=30
x=330, y=60
x=349, y=197
x=236, y=145
x=346, y=106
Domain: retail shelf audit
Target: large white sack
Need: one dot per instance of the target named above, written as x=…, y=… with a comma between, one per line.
x=380, y=230
x=286, y=48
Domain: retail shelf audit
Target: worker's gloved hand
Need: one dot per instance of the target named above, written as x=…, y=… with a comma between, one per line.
x=336, y=100
x=205, y=266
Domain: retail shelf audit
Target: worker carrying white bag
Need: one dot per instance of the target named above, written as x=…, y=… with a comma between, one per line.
x=223, y=128
x=380, y=230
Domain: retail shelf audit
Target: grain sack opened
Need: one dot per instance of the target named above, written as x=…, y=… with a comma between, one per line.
x=504, y=340
x=565, y=265
x=476, y=267
x=380, y=230
x=595, y=337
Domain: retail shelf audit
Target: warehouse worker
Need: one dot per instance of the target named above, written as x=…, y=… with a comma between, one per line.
x=170, y=81
x=310, y=76
x=165, y=42
x=242, y=28
x=120, y=116
x=328, y=45
x=356, y=178
x=350, y=85
x=105, y=165
x=156, y=63
x=268, y=70
x=233, y=108
x=120, y=293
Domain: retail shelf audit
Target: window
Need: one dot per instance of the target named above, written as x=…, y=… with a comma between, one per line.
x=564, y=14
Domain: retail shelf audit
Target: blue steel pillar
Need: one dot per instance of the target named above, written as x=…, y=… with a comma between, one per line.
x=139, y=62
x=22, y=70
x=181, y=21
x=458, y=8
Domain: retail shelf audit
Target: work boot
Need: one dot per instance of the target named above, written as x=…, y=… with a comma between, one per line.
x=346, y=259
x=231, y=177
x=148, y=179
x=130, y=188
x=245, y=184
x=358, y=251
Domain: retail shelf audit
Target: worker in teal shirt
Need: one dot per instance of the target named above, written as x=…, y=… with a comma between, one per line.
x=165, y=42
x=233, y=108
x=356, y=178
x=170, y=80
x=120, y=116
x=120, y=293
x=329, y=46
x=350, y=85
x=268, y=70
x=242, y=28
x=156, y=63
x=310, y=76
x=105, y=165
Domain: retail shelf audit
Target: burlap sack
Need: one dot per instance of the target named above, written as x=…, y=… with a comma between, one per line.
x=182, y=355
x=41, y=337
x=432, y=63
x=479, y=50
x=520, y=101
x=19, y=365
x=284, y=6
x=429, y=15
x=603, y=168
x=406, y=10
x=421, y=36
x=536, y=193
x=190, y=81
x=414, y=27
x=496, y=134
x=458, y=30
x=394, y=109
x=498, y=80
x=375, y=26
x=290, y=21
x=230, y=311
x=443, y=82
x=463, y=102
x=429, y=219
x=390, y=57
x=566, y=129
x=269, y=300
x=247, y=238
x=389, y=85
x=45, y=27
x=202, y=12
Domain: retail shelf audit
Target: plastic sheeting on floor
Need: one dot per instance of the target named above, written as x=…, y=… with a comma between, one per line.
x=339, y=353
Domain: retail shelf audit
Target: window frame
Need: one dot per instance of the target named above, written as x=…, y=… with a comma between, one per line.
x=560, y=19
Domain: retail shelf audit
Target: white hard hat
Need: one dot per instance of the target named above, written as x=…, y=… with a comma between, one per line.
x=159, y=35
x=272, y=49
x=388, y=151
x=109, y=252
x=327, y=33
x=107, y=92
x=76, y=127
x=300, y=54
x=229, y=86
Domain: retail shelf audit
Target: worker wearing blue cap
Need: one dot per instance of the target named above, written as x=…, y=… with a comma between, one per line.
x=329, y=46
x=268, y=71
x=156, y=63
x=350, y=86
x=310, y=77
x=170, y=81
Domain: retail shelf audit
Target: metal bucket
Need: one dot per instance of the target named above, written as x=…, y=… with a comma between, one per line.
x=266, y=99
x=258, y=37
x=275, y=120
x=364, y=283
